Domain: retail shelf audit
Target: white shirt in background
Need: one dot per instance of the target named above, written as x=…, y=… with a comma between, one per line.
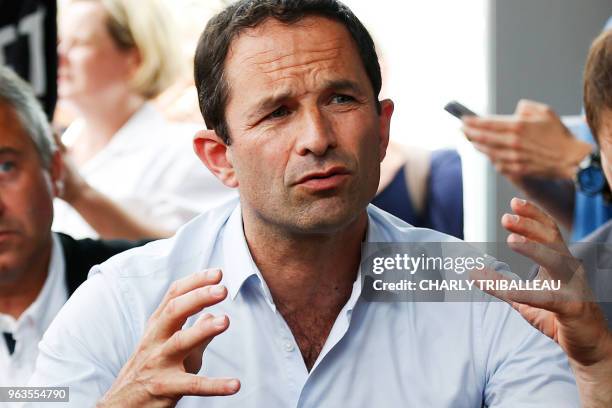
x=28, y=329
x=149, y=167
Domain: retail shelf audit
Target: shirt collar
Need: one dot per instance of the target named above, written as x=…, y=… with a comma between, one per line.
x=51, y=297
x=54, y=293
x=373, y=234
x=239, y=264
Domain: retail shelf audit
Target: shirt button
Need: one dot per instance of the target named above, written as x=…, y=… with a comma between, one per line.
x=288, y=346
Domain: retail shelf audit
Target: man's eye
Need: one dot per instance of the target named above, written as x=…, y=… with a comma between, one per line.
x=342, y=99
x=7, y=166
x=278, y=113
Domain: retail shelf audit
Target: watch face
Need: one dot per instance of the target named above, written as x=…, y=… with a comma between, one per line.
x=591, y=180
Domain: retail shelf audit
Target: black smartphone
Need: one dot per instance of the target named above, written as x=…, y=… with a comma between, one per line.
x=458, y=110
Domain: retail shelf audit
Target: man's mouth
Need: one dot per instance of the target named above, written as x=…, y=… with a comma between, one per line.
x=324, y=180
x=7, y=234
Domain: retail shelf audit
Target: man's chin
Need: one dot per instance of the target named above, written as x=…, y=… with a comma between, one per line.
x=9, y=268
x=8, y=243
x=326, y=218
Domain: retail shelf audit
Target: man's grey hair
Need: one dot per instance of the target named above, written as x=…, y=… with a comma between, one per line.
x=16, y=93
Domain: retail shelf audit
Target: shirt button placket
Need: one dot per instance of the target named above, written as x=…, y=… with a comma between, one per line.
x=291, y=361
x=288, y=346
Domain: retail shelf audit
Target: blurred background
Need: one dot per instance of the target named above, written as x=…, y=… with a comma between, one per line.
x=487, y=54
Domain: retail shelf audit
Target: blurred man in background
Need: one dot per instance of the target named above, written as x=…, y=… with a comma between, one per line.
x=38, y=269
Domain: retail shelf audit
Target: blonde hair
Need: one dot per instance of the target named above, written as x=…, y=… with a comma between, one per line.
x=149, y=27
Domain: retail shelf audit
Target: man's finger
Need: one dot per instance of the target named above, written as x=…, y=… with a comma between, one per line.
x=199, y=335
x=189, y=283
x=542, y=319
x=177, y=310
x=529, y=228
x=195, y=385
x=526, y=209
x=540, y=299
x=558, y=265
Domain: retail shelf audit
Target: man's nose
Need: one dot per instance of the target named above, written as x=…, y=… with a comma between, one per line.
x=317, y=134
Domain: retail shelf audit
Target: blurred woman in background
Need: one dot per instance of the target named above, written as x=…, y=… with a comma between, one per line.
x=130, y=173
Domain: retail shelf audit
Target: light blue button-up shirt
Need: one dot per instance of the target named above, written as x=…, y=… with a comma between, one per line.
x=377, y=354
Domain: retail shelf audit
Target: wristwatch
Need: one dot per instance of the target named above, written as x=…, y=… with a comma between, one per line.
x=590, y=178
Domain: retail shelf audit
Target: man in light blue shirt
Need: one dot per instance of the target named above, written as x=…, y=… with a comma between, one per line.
x=377, y=354
x=290, y=91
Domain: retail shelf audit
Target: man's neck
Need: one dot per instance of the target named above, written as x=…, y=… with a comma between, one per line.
x=18, y=294
x=310, y=276
x=299, y=268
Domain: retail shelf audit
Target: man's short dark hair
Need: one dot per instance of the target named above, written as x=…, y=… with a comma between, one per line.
x=213, y=46
x=598, y=81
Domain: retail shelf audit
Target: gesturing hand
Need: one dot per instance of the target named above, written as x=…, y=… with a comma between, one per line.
x=163, y=368
x=570, y=315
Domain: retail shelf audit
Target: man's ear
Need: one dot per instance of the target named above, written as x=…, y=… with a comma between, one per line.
x=215, y=155
x=386, y=111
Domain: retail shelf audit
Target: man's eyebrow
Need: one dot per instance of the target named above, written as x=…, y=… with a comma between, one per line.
x=344, y=85
x=268, y=103
x=5, y=150
x=273, y=101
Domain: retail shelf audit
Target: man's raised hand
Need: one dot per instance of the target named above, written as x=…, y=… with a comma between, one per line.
x=570, y=316
x=163, y=368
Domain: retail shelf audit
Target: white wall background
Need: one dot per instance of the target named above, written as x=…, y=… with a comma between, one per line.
x=433, y=52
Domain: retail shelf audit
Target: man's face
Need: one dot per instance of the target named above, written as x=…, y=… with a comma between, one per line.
x=605, y=141
x=26, y=198
x=307, y=140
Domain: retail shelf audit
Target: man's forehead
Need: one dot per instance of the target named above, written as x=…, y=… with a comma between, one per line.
x=12, y=133
x=274, y=45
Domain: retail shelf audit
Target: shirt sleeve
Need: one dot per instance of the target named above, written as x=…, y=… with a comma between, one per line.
x=524, y=368
x=81, y=349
